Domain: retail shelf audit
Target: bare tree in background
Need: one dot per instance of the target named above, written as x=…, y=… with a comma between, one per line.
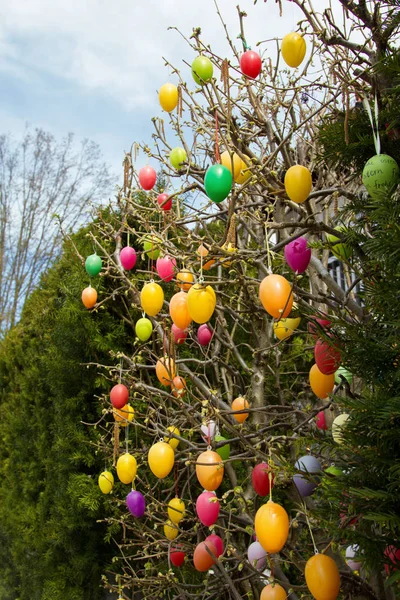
x=44, y=183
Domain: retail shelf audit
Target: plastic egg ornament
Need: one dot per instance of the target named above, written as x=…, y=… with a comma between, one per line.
x=136, y=504
x=297, y=255
x=203, y=252
x=204, y=556
x=317, y=325
x=207, y=508
x=204, y=334
x=124, y=415
x=240, y=404
x=119, y=395
x=218, y=543
x=245, y=173
x=93, y=265
x=161, y=459
x=273, y=591
x=143, y=329
x=89, y=297
x=257, y=556
x=180, y=335
x=209, y=470
x=351, y=553
x=322, y=577
x=170, y=531
x=178, y=310
x=293, y=49
x=310, y=466
x=393, y=554
x=176, y=510
x=151, y=245
x=202, y=70
x=164, y=202
x=177, y=557
x=327, y=357
x=298, y=183
x=321, y=384
x=218, y=182
x=165, y=268
x=342, y=372
x=185, y=280
x=173, y=442
x=337, y=427
x=225, y=450
x=380, y=176
x=208, y=430
x=178, y=387
x=201, y=303
x=166, y=371
x=168, y=97
x=250, y=64
x=284, y=328
x=126, y=468
x=320, y=420
x=260, y=479
x=231, y=159
x=152, y=298
x=271, y=525
x=338, y=249
x=276, y=296
x=147, y=177
x=106, y=482
x=128, y=257
x=178, y=157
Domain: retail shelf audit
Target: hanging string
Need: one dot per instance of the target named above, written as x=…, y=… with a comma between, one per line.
x=176, y=481
x=269, y=265
x=309, y=527
x=270, y=475
x=127, y=438
x=120, y=371
x=116, y=443
x=217, y=156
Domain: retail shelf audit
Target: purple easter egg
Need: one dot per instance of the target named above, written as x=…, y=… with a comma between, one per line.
x=136, y=504
x=297, y=255
x=204, y=334
x=127, y=256
x=309, y=465
x=257, y=556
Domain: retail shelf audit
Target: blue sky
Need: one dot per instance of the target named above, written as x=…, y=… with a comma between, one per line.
x=93, y=67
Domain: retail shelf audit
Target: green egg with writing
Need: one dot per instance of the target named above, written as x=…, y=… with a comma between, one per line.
x=380, y=175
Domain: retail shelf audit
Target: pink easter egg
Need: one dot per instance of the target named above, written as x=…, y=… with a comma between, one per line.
x=180, y=335
x=147, y=178
x=127, y=257
x=218, y=543
x=166, y=267
x=207, y=508
x=297, y=255
x=204, y=334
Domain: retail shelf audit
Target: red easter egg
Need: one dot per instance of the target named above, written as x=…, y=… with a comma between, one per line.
x=201, y=558
x=180, y=335
x=250, y=64
x=119, y=395
x=393, y=554
x=316, y=324
x=177, y=557
x=260, y=479
x=207, y=508
x=163, y=201
x=327, y=357
x=127, y=257
x=320, y=420
x=147, y=178
x=218, y=543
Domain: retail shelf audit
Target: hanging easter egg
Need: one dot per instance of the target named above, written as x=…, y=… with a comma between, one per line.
x=230, y=160
x=173, y=442
x=209, y=470
x=204, y=334
x=180, y=335
x=168, y=97
x=260, y=479
x=240, y=404
x=208, y=430
x=273, y=591
x=164, y=201
x=321, y=384
x=152, y=298
x=178, y=309
x=257, y=556
x=337, y=427
x=207, y=508
x=271, y=525
x=340, y=250
x=151, y=245
x=165, y=268
x=93, y=265
x=327, y=357
x=218, y=182
x=204, y=556
x=392, y=554
x=229, y=248
x=185, y=280
x=178, y=387
x=127, y=256
x=380, y=176
x=276, y=296
x=119, y=395
x=126, y=468
x=306, y=484
x=218, y=543
x=161, y=459
x=322, y=577
x=203, y=252
x=342, y=372
x=89, y=297
x=136, y=504
x=147, y=177
x=351, y=553
x=334, y=471
x=225, y=450
x=293, y=49
x=124, y=415
x=320, y=420
x=165, y=371
x=201, y=302
x=284, y=328
x=176, y=510
x=106, y=482
x=144, y=329
x=177, y=557
x=250, y=64
x=178, y=157
x=297, y=255
x=245, y=173
x=298, y=183
x=317, y=326
x=170, y=530
x=202, y=70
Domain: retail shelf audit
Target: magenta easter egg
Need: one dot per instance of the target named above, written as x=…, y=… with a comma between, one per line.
x=127, y=257
x=163, y=201
x=136, y=504
x=204, y=334
x=297, y=255
x=147, y=178
x=218, y=543
x=166, y=268
x=207, y=508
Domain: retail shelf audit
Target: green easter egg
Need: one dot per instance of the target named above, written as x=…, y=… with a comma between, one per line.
x=218, y=182
x=202, y=70
x=144, y=329
x=177, y=157
x=223, y=451
x=346, y=374
x=151, y=246
x=341, y=251
x=334, y=471
x=93, y=265
x=380, y=175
